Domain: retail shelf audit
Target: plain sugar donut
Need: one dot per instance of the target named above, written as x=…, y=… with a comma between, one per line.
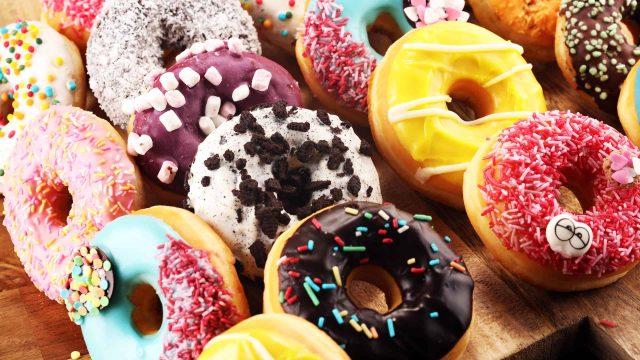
x=122, y=52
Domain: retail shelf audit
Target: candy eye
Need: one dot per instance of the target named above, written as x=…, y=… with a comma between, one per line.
x=564, y=229
x=581, y=239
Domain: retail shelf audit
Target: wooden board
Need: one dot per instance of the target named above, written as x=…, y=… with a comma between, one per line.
x=512, y=318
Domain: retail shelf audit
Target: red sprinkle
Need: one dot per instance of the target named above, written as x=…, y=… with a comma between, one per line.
x=416, y=270
x=294, y=274
x=387, y=241
x=608, y=323
x=338, y=240
x=316, y=224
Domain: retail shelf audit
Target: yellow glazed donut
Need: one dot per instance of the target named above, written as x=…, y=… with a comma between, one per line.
x=273, y=336
x=426, y=143
x=629, y=106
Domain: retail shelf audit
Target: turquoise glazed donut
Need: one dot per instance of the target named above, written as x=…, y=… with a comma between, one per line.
x=140, y=249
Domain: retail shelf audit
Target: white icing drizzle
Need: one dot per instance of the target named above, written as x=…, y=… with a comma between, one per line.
x=507, y=75
x=470, y=48
x=425, y=173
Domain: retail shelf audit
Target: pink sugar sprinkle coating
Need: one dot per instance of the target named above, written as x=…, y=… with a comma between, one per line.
x=81, y=13
x=198, y=304
x=521, y=190
x=342, y=66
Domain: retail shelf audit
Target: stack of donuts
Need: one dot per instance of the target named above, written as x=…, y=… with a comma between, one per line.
x=152, y=160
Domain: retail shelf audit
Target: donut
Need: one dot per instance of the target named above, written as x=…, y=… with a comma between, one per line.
x=531, y=24
x=427, y=12
x=594, y=48
x=73, y=18
x=69, y=177
x=166, y=304
x=271, y=336
x=629, y=105
x=200, y=92
x=38, y=67
x=428, y=145
x=277, y=21
x=335, y=55
x=128, y=38
x=555, y=199
x=385, y=286
x=276, y=164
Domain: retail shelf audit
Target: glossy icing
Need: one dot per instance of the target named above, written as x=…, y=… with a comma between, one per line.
x=636, y=95
x=277, y=20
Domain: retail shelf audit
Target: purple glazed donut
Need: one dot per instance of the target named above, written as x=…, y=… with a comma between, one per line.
x=209, y=84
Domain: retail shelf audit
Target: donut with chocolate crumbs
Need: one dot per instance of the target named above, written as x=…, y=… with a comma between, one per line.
x=288, y=163
x=594, y=47
x=196, y=95
x=129, y=36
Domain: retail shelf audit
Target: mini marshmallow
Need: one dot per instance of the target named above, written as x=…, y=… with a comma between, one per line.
x=240, y=93
x=131, y=140
x=213, y=44
x=206, y=124
x=261, y=80
x=152, y=76
x=189, y=77
x=141, y=103
x=170, y=120
x=128, y=107
x=235, y=46
x=213, y=76
x=228, y=110
x=156, y=99
x=143, y=144
x=218, y=120
x=167, y=172
x=213, y=106
x=169, y=81
x=175, y=98
x=197, y=48
x=183, y=55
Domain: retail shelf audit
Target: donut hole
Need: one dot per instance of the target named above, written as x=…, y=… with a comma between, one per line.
x=61, y=200
x=383, y=32
x=372, y=287
x=169, y=56
x=576, y=193
x=630, y=30
x=147, y=309
x=470, y=100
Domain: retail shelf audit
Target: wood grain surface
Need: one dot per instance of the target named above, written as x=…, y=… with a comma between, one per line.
x=511, y=318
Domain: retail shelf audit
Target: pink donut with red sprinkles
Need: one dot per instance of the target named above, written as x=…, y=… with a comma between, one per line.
x=73, y=18
x=521, y=182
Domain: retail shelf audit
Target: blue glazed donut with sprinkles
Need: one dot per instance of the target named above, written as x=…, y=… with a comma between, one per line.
x=379, y=281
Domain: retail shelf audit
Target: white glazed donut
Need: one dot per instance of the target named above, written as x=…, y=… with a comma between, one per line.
x=266, y=169
x=277, y=20
x=38, y=67
x=128, y=38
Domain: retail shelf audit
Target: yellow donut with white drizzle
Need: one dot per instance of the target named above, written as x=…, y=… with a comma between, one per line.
x=427, y=144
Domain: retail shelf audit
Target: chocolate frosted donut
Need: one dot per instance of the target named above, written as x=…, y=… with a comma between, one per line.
x=129, y=36
x=272, y=166
x=195, y=96
x=312, y=271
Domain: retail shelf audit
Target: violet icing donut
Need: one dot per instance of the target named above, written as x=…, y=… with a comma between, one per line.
x=514, y=196
x=276, y=164
x=129, y=36
x=195, y=96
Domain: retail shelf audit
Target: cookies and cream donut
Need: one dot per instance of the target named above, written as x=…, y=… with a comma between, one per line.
x=194, y=96
x=129, y=37
x=265, y=169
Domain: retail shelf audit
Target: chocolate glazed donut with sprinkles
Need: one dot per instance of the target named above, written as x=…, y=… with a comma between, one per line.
x=313, y=269
x=594, y=48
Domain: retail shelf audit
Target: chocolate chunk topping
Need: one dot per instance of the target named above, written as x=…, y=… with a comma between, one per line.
x=259, y=253
x=306, y=152
x=348, y=167
x=239, y=215
x=280, y=145
x=354, y=185
x=250, y=148
x=323, y=147
x=284, y=219
x=345, y=125
x=335, y=159
x=228, y=155
x=369, y=191
x=249, y=192
x=280, y=167
x=213, y=163
x=241, y=163
x=272, y=185
x=337, y=143
x=268, y=220
x=240, y=129
x=206, y=181
x=365, y=148
x=336, y=194
x=280, y=110
x=299, y=126
x=318, y=185
x=323, y=116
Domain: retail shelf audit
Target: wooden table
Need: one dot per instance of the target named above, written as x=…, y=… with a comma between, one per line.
x=512, y=318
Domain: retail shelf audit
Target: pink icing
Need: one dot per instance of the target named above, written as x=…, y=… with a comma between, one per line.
x=80, y=13
x=66, y=157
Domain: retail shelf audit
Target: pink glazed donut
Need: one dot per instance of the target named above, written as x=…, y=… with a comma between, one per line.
x=69, y=177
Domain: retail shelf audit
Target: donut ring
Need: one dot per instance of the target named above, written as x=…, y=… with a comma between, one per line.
x=592, y=49
x=277, y=20
x=273, y=165
x=428, y=295
x=129, y=35
x=39, y=67
x=426, y=143
x=193, y=97
x=73, y=18
x=513, y=212
x=191, y=271
x=71, y=176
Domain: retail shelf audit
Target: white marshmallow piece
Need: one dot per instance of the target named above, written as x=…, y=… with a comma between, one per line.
x=131, y=140
x=170, y=120
x=156, y=99
x=197, y=48
x=189, y=77
x=213, y=76
x=152, y=76
x=141, y=103
x=228, y=110
x=143, y=144
x=206, y=124
x=212, y=108
x=235, y=46
x=412, y=13
x=169, y=81
x=213, y=44
x=167, y=172
x=636, y=165
x=128, y=107
x=175, y=98
x=261, y=80
x=183, y=55
x=240, y=93
x=219, y=120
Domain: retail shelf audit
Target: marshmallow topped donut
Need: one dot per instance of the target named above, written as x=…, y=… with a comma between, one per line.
x=73, y=18
x=277, y=20
x=267, y=168
x=70, y=177
x=193, y=97
x=129, y=37
x=38, y=67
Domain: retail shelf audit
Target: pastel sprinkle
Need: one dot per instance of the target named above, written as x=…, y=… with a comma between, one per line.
x=391, y=328
x=403, y=229
x=362, y=229
x=447, y=238
x=321, y=322
x=434, y=315
x=368, y=215
x=336, y=314
x=312, y=295
x=336, y=275
x=354, y=248
x=313, y=285
x=402, y=222
x=355, y=325
x=422, y=217
x=328, y=286
x=457, y=266
x=310, y=244
x=411, y=261
x=351, y=211
x=383, y=215
x=434, y=262
x=434, y=247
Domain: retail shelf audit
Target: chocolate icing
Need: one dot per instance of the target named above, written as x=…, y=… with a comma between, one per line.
x=441, y=288
x=180, y=145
